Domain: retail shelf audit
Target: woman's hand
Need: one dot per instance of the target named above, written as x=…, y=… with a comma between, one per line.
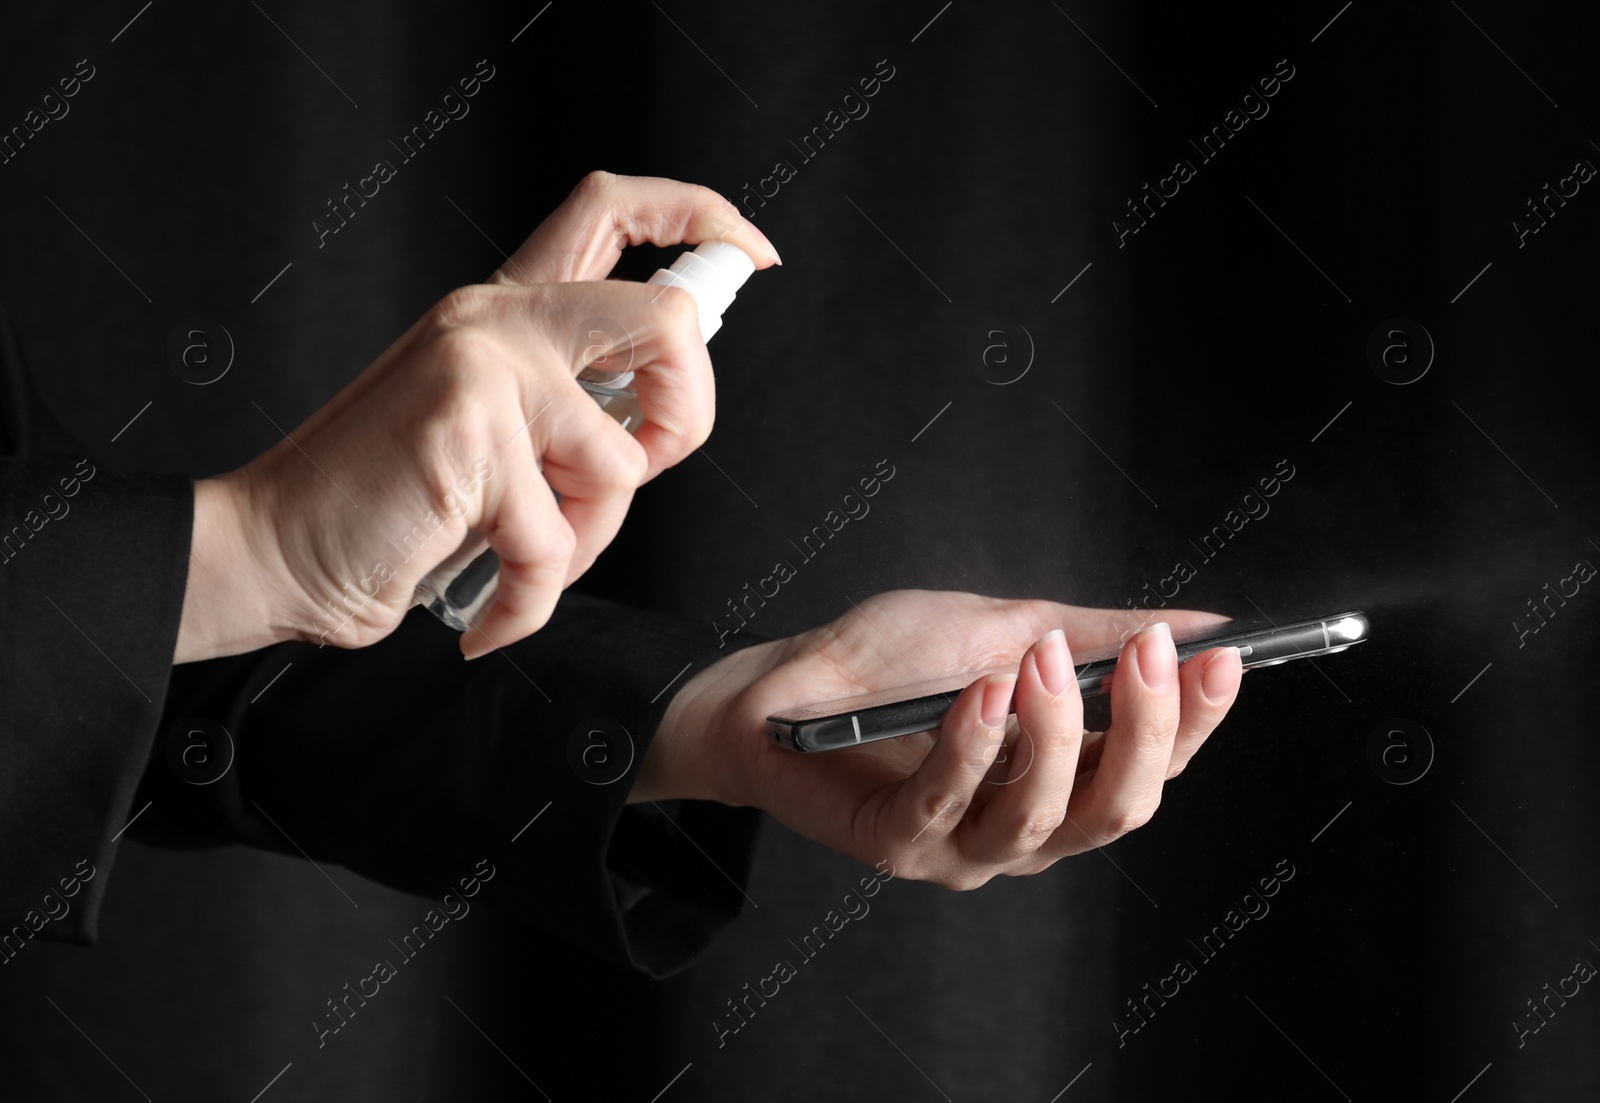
x=469, y=421
x=949, y=807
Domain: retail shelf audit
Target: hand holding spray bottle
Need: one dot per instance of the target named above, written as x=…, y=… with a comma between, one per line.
x=460, y=589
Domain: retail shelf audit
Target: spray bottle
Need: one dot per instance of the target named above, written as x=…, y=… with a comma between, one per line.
x=460, y=589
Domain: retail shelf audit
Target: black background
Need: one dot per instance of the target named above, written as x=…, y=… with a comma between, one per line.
x=1194, y=359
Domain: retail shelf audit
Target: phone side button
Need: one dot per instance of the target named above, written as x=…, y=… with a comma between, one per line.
x=855, y=724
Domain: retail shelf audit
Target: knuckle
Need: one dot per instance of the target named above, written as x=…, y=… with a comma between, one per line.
x=941, y=808
x=460, y=307
x=911, y=863
x=444, y=431
x=676, y=442
x=442, y=490
x=698, y=430
x=725, y=214
x=1069, y=743
x=713, y=198
x=1155, y=733
x=965, y=879
x=634, y=463
x=554, y=543
x=459, y=395
x=617, y=465
x=1131, y=818
x=1033, y=830
x=459, y=353
x=595, y=184
x=982, y=748
x=906, y=863
x=559, y=541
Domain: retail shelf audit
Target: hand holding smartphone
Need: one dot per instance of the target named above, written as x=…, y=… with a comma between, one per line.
x=848, y=722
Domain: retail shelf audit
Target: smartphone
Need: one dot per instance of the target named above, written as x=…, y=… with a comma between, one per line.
x=851, y=721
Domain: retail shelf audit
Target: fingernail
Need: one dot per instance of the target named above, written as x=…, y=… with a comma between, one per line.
x=757, y=231
x=1158, y=661
x=1218, y=679
x=1051, y=658
x=997, y=700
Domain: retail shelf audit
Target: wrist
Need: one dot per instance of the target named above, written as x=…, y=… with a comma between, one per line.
x=667, y=771
x=706, y=741
x=232, y=602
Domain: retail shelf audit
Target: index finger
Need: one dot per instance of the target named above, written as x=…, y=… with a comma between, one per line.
x=584, y=237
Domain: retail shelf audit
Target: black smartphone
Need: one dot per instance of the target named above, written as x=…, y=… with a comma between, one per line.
x=851, y=721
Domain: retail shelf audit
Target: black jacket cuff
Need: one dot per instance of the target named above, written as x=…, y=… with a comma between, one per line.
x=409, y=765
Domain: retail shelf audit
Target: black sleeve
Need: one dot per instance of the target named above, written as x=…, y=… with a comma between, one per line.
x=92, y=572
x=409, y=765
x=93, y=566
